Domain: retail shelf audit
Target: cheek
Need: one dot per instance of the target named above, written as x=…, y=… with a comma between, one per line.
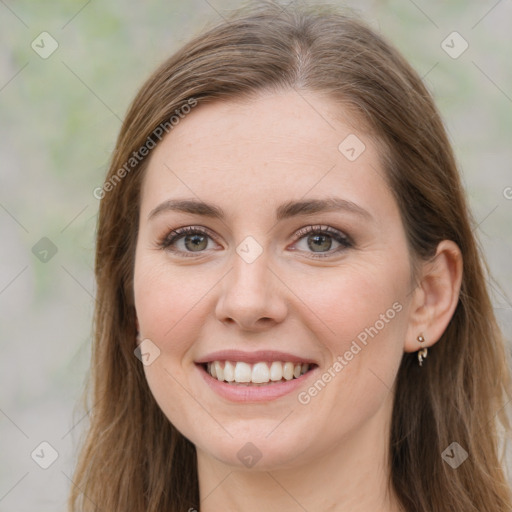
x=360, y=316
x=359, y=302
x=167, y=300
x=167, y=304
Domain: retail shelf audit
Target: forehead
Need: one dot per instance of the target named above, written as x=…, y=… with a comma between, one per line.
x=271, y=148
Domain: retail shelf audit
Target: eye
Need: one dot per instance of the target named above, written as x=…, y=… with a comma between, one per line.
x=194, y=240
x=319, y=239
x=190, y=239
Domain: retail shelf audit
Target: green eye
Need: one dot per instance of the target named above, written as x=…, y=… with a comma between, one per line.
x=319, y=240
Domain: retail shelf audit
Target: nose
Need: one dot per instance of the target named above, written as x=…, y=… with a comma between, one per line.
x=252, y=296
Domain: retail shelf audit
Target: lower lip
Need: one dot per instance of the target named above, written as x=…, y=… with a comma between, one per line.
x=241, y=393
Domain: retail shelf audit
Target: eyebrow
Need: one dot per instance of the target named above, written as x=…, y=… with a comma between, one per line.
x=284, y=211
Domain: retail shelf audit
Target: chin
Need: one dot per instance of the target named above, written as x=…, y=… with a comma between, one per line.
x=253, y=448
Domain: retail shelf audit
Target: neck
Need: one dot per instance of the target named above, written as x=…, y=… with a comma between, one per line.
x=352, y=476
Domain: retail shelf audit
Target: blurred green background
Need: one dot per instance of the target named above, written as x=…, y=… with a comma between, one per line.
x=59, y=118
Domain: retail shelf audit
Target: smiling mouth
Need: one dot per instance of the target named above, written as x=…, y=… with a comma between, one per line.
x=262, y=373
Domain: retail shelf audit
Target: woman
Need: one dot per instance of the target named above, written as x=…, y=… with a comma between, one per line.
x=292, y=312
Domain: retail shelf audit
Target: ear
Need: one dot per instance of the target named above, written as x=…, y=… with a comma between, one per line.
x=436, y=296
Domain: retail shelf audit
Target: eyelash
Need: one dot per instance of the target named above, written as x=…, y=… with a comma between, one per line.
x=179, y=233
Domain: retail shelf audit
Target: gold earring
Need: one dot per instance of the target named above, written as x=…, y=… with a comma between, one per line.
x=423, y=352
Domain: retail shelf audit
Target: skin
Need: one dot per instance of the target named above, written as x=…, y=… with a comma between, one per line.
x=248, y=157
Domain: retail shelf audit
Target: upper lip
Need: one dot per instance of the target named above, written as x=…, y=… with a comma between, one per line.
x=253, y=357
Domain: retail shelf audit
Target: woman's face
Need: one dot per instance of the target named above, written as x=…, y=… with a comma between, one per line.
x=268, y=274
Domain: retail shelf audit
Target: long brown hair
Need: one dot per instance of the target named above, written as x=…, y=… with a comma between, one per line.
x=133, y=458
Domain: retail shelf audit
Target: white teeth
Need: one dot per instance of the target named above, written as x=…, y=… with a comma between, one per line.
x=229, y=372
x=288, y=371
x=259, y=373
x=219, y=371
x=243, y=372
x=276, y=371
